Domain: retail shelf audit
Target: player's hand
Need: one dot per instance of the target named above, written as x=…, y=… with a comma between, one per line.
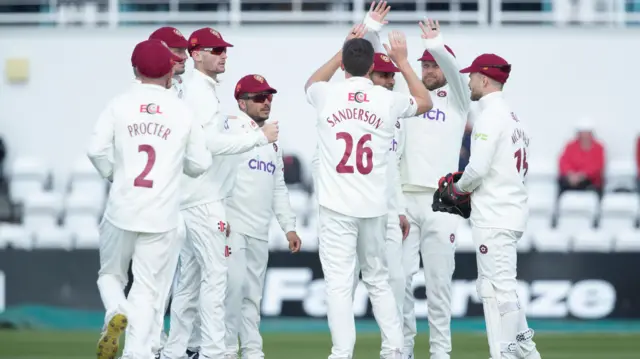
x=271, y=131
x=404, y=226
x=379, y=11
x=294, y=242
x=356, y=32
x=228, y=231
x=397, y=47
x=430, y=28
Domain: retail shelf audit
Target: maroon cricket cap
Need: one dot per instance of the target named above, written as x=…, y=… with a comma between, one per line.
x=153, y=59
x=206, y=37
x=426, y=55
x=382, y=63
x=171, y=36
x=490, y=65
x=252, y=84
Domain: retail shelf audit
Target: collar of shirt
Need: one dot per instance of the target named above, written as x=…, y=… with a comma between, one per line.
x=206, y=77
x=360, y=79
x=487, y=100
x=177, y=78
x=152, y=86
x=248, y=120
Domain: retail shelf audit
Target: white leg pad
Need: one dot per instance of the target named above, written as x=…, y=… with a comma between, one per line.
x=500, y=343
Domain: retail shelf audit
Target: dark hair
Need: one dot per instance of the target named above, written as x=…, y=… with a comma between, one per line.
x=357, y=56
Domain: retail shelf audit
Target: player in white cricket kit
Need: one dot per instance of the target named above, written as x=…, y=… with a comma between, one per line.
x=259, y=193
x=355, y=126
x=495, y=179
x=178, y=45
x=432, y=147
x=202, y=283
x=153, y=137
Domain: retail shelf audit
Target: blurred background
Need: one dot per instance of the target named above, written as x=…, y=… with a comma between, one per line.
x=574, y=83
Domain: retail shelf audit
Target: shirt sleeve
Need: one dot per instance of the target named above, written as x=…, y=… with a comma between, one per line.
x=197, y=158
x=222, y=143
x=373, y=33
x=451, y=70
x=101, y=143
x=484, y=141
x=317, y=93
x=281, y=204
x=403, y=105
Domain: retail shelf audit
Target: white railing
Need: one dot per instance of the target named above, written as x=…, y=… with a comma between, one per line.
x=489, y=12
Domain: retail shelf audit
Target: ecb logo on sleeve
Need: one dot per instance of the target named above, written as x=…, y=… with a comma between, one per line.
x=358, y=97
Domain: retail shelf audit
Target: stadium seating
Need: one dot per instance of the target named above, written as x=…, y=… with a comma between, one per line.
x=15, y=236
x=27, y=175
x=619, y=211
x=577, y=210
x=551, y=240
x=42, y=210
x=53, y=238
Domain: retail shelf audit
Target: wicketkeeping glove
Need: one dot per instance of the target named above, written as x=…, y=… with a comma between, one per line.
x=447, y=199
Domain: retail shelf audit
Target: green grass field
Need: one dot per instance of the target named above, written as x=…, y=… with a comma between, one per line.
x=81, y=345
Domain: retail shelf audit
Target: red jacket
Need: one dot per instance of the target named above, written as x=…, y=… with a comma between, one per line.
x=589, y=162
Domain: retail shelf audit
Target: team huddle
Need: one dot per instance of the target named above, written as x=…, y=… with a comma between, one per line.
x=385, y=180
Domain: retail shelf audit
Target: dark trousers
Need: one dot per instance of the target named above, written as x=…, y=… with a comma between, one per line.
x=584, y=185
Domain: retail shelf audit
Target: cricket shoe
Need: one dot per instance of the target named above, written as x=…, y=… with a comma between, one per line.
x=192, y=355
x=110, y=338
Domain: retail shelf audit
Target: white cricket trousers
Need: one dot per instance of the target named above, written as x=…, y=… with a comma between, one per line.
x=166, y=294
x=245, y=282
x=432, y=234
x=508, y=333
x=341, y=239
x=152, y=257
x=395, y=268
x=205, y=227
x=184, y=329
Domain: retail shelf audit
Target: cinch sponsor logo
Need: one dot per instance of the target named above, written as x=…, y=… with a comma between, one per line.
x=259, y=165
x=435, y=115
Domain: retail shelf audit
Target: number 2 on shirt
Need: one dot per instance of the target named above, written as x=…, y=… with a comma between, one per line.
x=521, y=161
x=362, y=152
x=141, y=180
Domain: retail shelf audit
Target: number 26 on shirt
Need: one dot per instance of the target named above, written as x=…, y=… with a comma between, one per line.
x=364, y=154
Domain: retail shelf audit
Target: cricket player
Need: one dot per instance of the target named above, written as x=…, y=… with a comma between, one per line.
x=178, y=44
x=259, y=193
x=202, y=283
x=432, y=147
x=153, y=137
x=355, y=127
x=495, y=179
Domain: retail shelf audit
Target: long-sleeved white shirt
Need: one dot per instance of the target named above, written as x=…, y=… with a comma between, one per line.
x=432, y=147
x=216, y=184
x=355, y=123
x=497, y=167
x=153, y=139
x=260, y=190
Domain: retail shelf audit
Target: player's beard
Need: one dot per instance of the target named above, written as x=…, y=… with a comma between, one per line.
x=475, y=95
x=388, y=86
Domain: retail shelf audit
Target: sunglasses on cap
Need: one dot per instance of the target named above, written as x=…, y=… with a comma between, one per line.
x=503, y=68
x=214, y=50
x=259, y=98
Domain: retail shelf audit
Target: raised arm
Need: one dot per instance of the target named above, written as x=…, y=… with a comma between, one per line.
x=397, y=51
x=433, y=41
x=374, y=21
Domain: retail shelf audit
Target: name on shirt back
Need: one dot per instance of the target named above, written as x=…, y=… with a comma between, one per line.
x=149, y=128
x=357, y=114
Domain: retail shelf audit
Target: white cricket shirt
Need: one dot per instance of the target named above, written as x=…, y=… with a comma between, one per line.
x=177, y=85
x=497, y=167
x=432, y=147
x=153, y=138
x=216, y=184
x=355, y=126
x=260, y=190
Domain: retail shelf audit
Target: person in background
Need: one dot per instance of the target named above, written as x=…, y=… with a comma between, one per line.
x=582, y=162
x=465, y=149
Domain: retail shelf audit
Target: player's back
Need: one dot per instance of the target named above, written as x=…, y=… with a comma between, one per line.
x=152, y=128
x=501, y=199
x=355, y=126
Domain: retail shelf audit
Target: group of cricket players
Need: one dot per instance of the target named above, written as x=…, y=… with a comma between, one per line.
x=193, y=192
